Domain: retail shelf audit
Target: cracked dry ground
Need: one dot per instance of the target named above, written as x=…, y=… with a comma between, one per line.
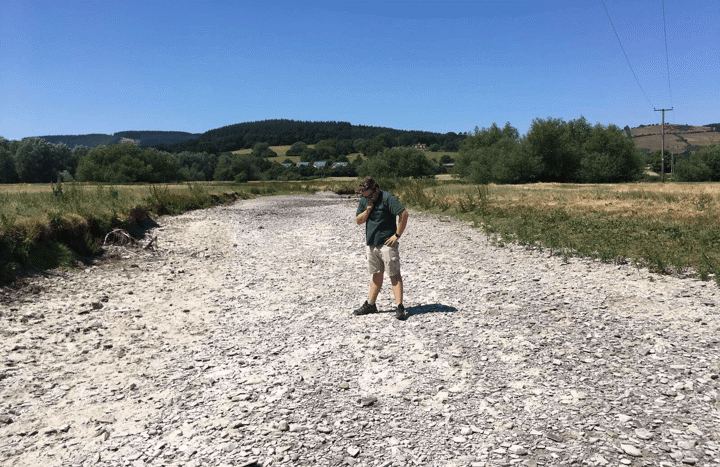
x=234, y=344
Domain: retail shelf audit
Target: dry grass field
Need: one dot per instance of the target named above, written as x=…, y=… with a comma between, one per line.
x=672, y=227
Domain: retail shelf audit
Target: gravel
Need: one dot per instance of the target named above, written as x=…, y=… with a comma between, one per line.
x=233, y=343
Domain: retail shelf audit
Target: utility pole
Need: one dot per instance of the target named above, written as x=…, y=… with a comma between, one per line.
x=662, y=149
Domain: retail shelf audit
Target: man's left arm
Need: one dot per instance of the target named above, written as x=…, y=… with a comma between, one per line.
x=400, y=228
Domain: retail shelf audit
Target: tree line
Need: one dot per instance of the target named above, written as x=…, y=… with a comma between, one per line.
x=283, y=132
x=553, y=150
x=37, y=161
x=145, y=138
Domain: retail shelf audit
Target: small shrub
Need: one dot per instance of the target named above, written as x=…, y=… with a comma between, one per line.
x=137, y=215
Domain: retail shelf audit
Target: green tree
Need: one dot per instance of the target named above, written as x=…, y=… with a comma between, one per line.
x=627, y=131
x=608, y=156
x=654, y=160
x=308, y=155
x=8, y=174
x=37, y=161
x=296, y=149
x=405, y=139
x=550, y=141
x=223, y=169
x=123, y=163
x=398, y=162
x=75, y=155
x=497, y=155
x=446, y=159
x=196, y=166
x=263, y=150
x=702, y=165
x=118, y=163
x=241, y=167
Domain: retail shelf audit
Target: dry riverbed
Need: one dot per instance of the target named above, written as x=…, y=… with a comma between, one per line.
x=233, y=344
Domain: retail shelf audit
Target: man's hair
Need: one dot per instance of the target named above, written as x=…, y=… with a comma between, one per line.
x=368, y=183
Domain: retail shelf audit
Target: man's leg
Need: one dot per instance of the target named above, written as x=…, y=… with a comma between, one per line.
x=397, y=287
x=375, y=286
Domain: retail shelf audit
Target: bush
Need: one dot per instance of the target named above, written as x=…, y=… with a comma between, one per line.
x=398, y=162
x=702, y=165
x=123, y=163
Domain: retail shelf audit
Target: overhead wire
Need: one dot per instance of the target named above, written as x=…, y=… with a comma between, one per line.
x=626, y=57
x=667, y=59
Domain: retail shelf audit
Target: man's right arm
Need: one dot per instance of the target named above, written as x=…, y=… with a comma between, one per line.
x=363, y=216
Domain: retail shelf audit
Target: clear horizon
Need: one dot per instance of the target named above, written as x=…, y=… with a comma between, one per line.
x=104, y=67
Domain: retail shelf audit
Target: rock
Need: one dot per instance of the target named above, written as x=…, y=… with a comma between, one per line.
x=368, y=401
x=643, y=434
x=631, y=450
x=270, y=340
x=517, y=450
x=622, y=418
x=687, y=445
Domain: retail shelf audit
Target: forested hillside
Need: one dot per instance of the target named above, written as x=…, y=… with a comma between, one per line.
x=285, y=132
x=143, y=138
x=553, y=150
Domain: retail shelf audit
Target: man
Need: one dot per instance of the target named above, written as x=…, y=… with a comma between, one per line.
x=378, y=210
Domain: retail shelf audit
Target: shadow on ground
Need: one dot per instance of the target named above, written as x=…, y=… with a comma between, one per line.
x=422, y=309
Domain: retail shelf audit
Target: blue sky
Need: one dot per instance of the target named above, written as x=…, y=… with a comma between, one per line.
x=74, y=67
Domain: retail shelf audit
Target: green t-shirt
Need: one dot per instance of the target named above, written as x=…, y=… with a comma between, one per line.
x=382, y=221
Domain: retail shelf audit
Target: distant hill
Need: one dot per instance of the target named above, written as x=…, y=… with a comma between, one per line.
x=244, y=135
x=143, y=138
x=678, y=138
x=280, y=132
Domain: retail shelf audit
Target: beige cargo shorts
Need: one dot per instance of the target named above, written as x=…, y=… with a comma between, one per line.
x=383, y=258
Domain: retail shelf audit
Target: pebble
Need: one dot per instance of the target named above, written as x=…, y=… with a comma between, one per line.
x=226, y=355
x=631, y=450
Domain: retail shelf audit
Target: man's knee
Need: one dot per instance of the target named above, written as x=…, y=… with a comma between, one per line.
x=396, y=278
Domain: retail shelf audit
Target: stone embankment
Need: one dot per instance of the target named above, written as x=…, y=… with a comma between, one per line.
x=233, y=344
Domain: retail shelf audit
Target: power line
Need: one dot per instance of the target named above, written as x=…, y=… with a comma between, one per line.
x=626, y=57
x=667, y=60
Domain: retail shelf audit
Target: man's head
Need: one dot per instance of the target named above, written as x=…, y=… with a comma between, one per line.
x=367, y=187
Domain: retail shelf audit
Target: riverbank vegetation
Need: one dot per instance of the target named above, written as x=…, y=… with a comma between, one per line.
x=563, y=187
x=668, y=228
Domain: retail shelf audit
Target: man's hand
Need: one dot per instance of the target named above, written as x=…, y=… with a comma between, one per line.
x=391, y=241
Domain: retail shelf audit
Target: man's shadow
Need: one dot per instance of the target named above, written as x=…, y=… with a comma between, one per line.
x=423, y=309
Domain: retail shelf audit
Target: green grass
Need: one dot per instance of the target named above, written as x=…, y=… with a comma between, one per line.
x=671, y=228
x=45, y=226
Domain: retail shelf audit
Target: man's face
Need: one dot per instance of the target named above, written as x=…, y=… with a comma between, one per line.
x=367, y=193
